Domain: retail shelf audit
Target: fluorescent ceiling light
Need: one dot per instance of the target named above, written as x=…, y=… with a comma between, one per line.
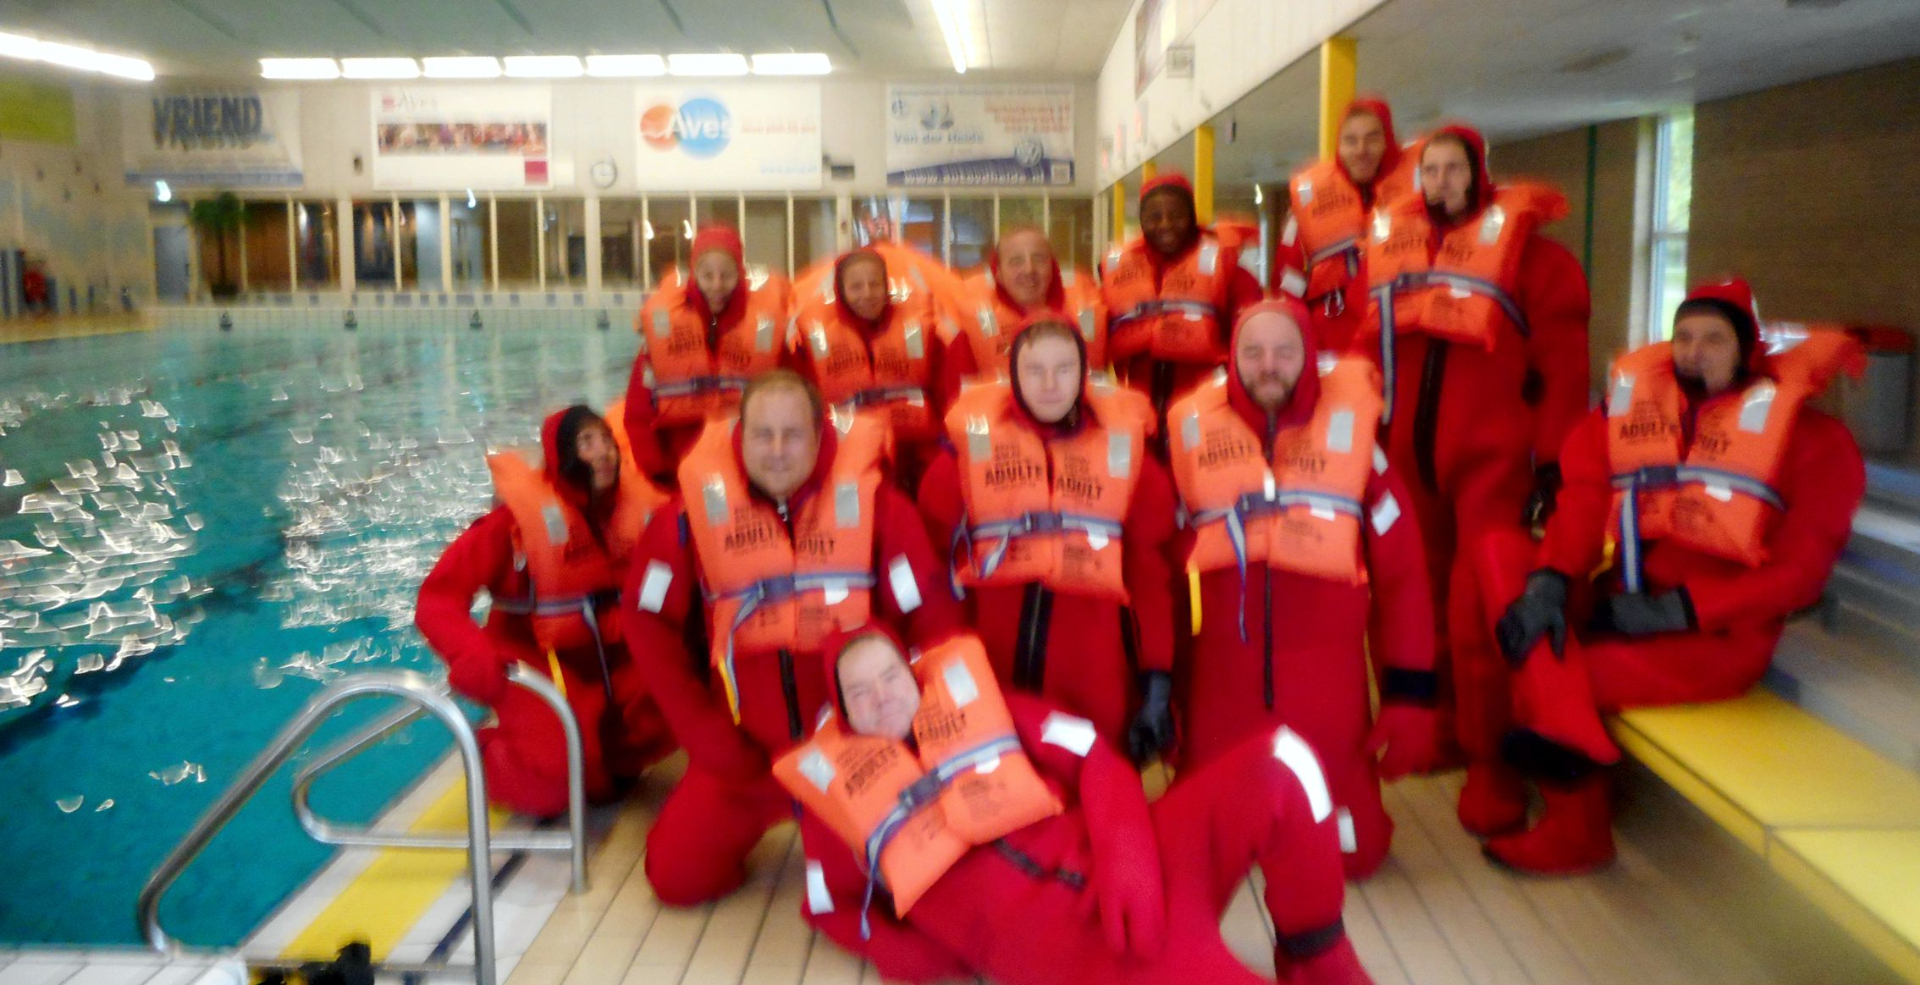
x=299, y=68
x=462, y=67
x=73, y=56
x=625, y=66
x=379, y=68
x=543, y=66
x=714, y=64
x=792, y=63
x=954, y=28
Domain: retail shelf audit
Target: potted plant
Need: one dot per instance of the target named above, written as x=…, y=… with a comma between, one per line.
x=217, y=217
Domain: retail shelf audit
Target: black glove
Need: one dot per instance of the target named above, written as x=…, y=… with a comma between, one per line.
x=1546, y=491
x=1541, y=610
x=1152, y=728
x=1638, y=614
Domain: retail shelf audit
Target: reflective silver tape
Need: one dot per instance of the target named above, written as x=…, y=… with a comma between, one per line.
x=1620, y=398
x=556, y=523
x=715, y=495
x=1209, y=258
x=662, y=322
x=1756, y=406
x=1379, y=461
x=979, y=440
x=960, y=684
x=646, y=375
x=989, y=325
x=1066, y=278
x=1304, y=191
x=906, y=588
x=1087, y=327
x=916, y=343
x=1340, y=431
x=1291, y=750
x=817, y=769
x=819, y=898
x=818, y=335
x=1119, y=454
x=1070, y=732
x=1293, y=283
x=763, y=334
x=653, y=587
x=846, y=504
x=1490, y=226
x=1190, y=430
x=1381, y=226
x=1291, y=234
x=1384, y=513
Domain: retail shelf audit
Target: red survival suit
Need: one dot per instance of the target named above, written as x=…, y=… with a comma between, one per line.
x=1327, y=552
x=990, y=319
x=843, y=513
x=1169, y=317
x=1321, y=258
x=1112, y=890
x=532, y=580
x=1017, y=508
x=1480, y=330
x=892, y=369
x=694, y=361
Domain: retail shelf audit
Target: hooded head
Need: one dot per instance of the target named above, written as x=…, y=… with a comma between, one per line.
x=1273, y=376
x=719, y=268
x=1453, y=173
x=860, y=285
x=1025, y=272
x=1048, y=363
x=581, y=455
x=1368, y=148
x=874, y=690
x=1169, y=220
x=782, y=438
x=1716, y=336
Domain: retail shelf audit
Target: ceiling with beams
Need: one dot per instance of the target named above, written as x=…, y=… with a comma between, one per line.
x=223, y=38
x=1523, y=69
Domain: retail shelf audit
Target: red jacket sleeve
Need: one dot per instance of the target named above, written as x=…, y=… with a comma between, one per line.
x=913, y=589
x=649, y=453
x=657, y=602
x=1147, y=545
x=1402, y=616
x=1553, y=293
x=1289, y=262
x=480, y=558
x=941, y=505
x=1065, y=747
x=958, y=365
x=836, y=889
x=1577, y=532
x=1822, y=481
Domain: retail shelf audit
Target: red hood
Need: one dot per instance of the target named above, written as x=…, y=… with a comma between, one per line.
x=1078, y=417
x=557, y=456
x=1732, y=298
x=1306, y=392
x=839, y=302
x=727, y=241
x=1482, y=175
x=829, y=444
x=1377, y=108
x=1056, y=291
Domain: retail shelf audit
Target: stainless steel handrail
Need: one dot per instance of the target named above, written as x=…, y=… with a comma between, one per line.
x=428, y=698
x=573, y=841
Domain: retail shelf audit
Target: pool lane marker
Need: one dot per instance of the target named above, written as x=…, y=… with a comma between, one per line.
x=384, y=902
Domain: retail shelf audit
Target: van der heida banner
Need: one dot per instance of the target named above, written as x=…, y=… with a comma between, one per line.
x=980, y=134
x=494, y=137
x=746, y=137
x=226, y=137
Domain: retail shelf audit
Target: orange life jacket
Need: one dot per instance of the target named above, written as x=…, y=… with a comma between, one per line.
x=1465, y=292
x=1180, y=320
x=1721, y=497
x=1040, y=510
x=1295, y=506
x=691, y=381
x=573, y=578
x=1327, y=219
x=892, y=373
x=908, y=817
x=769, y=589
x=988, y=323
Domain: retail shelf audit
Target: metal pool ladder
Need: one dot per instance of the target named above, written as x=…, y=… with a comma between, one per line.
x=423, y=697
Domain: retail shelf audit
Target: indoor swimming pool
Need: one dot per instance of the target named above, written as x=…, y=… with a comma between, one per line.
x=197, y=529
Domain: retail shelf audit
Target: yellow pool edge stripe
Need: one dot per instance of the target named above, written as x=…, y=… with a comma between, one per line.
x=384, y=902
x=1860, y=921
x=1747, y=829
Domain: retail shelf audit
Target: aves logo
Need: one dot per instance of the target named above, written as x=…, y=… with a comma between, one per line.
x=700, y=127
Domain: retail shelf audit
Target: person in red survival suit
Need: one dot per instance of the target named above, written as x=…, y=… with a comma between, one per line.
x=1321, y=257
x=884, y=358
x=1058, y=524
x=552, y=611
x=1110, y=889
x=1299, y=544
x=1172, y=295
x=776, y=503
x=699, y=344
x=1479, y=324
x=1023, y=279
x=1727, y=499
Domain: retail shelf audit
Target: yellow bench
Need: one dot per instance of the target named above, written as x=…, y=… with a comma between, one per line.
x=1833, y=817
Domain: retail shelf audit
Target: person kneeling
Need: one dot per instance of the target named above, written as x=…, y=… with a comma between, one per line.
x=951, y=831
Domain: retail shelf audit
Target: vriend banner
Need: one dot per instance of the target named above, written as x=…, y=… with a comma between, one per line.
x=228, y=137
x=744, y=137
x=979, y=134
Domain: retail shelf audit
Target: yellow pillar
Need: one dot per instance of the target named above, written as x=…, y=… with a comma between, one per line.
x=1120, y=211
x=1336, y=90
x=1203, y=174
x=1148, y=172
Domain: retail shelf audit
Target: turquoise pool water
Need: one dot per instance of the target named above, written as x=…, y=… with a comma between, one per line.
x=197, y=528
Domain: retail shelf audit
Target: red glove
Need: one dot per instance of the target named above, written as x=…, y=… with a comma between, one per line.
x=482, y=678
x=1406, y=731
x=1337, y=965
x=1130, y=896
